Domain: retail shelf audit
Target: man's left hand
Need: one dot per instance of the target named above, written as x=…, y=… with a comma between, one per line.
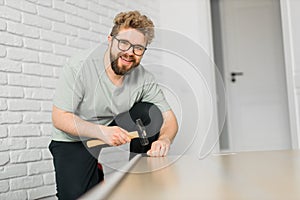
x=159, y=148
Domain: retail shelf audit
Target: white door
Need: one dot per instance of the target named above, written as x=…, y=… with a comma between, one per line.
x=254, y=75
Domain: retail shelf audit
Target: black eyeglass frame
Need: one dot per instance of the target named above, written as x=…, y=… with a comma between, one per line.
x=130, y=45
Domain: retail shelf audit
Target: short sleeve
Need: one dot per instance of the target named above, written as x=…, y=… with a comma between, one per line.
x=69, y=90
x=154, y=94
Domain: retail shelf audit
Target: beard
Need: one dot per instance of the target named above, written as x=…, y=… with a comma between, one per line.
x=120, y=69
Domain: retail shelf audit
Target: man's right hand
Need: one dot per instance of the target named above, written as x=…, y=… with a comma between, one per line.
x=114, y=135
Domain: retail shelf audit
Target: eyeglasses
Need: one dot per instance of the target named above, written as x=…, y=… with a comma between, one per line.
x=124, y=45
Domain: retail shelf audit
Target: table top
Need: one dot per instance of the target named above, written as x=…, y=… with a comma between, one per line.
x=247, y=175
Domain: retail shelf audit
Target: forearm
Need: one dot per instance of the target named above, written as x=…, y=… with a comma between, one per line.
x=74, y=125
x=170, y=127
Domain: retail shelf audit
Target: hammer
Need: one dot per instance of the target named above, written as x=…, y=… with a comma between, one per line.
x=140, y=133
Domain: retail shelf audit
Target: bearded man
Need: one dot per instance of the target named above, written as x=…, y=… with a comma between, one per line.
x=100, y=94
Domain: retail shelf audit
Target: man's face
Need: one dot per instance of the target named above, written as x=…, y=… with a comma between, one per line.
x=123, y=61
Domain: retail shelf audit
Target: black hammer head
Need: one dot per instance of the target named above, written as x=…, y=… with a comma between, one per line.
x=142, y=132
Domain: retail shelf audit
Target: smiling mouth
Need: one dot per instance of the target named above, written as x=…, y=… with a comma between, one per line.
x=126, y=59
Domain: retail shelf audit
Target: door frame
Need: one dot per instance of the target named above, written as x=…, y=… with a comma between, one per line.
x=289, y=66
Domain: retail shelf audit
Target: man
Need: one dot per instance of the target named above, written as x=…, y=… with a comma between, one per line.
x=100, y=94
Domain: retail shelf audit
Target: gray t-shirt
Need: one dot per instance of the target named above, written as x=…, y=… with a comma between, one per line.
x=85, y=90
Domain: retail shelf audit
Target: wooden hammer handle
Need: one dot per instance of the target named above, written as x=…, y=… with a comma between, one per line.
x=96, y=142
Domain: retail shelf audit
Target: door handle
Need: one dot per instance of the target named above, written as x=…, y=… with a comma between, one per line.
x=234, y=74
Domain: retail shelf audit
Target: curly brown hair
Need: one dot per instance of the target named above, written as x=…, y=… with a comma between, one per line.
x=134, y=19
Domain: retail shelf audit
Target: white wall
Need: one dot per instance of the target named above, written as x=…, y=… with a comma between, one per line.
x=36, y=39
x=190, y=17
x=187, y=31
x=291, y=33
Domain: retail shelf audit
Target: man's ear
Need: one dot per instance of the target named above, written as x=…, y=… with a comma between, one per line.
x=109, y=38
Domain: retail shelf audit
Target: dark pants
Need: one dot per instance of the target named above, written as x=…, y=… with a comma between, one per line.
x=76, y=167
